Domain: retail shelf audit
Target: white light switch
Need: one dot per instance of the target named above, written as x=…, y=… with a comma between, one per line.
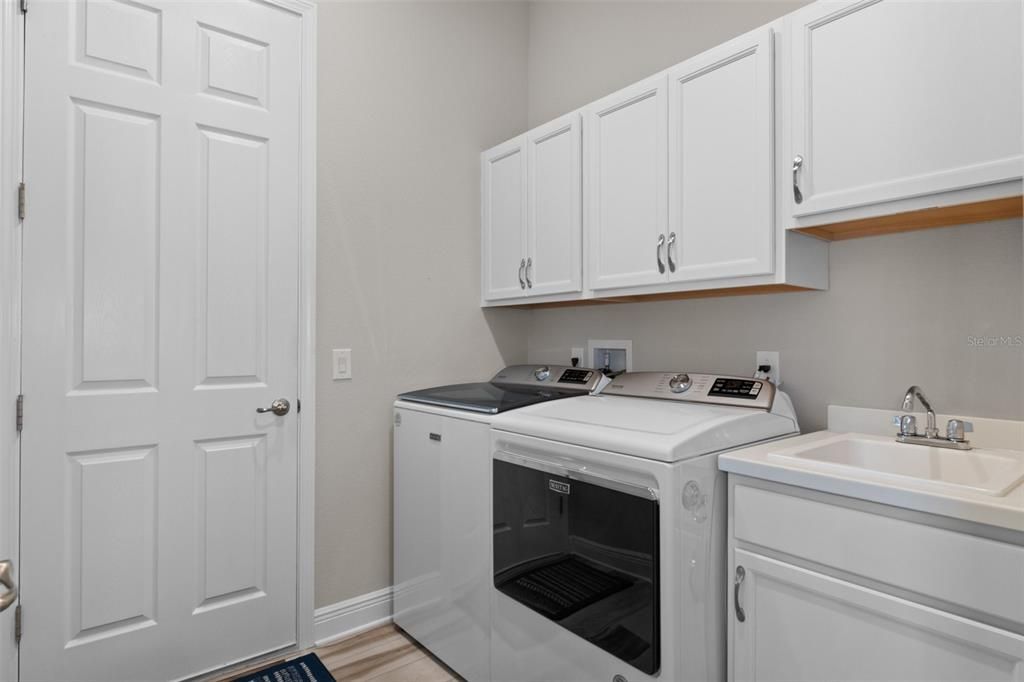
x=341, y=359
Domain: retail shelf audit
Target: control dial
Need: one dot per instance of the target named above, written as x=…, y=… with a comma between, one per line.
x=542, y=373
x=679, y=383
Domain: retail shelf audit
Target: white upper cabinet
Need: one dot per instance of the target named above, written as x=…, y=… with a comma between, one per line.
x=554, y=207
x=626, y=183
x=503, y=211
x=892, y=100
x=721, y=213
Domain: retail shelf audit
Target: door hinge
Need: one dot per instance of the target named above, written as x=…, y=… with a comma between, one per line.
x=17, y=624
x=19, y=413
x=23, y=5
x=21, y=201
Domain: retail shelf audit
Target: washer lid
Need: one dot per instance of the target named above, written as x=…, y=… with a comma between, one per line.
x=662, y=430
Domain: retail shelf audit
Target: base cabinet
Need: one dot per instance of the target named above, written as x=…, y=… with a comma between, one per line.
x=825, y=588
x=442, y=537
x=801, y=625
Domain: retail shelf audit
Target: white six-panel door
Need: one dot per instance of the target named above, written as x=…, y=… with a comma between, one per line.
x=554, y=226
x=626, y=182
x=161, y=259
x=721, y=213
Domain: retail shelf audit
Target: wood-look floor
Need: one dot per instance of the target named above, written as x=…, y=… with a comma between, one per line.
x=384, y=654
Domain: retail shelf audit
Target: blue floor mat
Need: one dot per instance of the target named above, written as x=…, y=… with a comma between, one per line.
x=308, y=668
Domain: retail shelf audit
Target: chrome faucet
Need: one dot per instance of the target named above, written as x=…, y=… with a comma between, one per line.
x=930, y=430
x=907, y=424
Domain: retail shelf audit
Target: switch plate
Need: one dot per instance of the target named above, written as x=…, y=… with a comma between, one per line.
x=341, y=363
x=770, y=357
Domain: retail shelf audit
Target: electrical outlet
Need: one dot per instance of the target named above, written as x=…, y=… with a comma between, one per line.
x=770, y=358
x=341, y=363
x=578, y=353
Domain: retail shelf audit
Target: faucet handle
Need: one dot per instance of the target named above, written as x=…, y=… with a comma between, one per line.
x=955, y=429
x=907, y=424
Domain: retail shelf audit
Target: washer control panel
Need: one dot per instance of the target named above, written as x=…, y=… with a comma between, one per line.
x=582, y=379
x=710, y=389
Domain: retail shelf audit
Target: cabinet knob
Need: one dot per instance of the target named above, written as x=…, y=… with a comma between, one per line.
x=657, y=253
x=522, y=267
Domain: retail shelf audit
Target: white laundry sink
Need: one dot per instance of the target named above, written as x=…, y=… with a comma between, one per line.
x=992, y=472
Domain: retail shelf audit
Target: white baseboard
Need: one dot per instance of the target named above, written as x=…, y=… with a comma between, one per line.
x=352, y=616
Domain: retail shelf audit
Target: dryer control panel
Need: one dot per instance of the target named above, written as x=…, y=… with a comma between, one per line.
x=710, y=389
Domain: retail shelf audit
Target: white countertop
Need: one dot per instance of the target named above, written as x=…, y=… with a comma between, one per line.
x=1005, y=512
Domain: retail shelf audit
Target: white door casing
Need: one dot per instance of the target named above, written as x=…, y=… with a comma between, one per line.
x=892, y=100
x=11, y=27
x=503, y=216
x=720, y=161
x=625, y=185
x=162, y=299
x=554, y=229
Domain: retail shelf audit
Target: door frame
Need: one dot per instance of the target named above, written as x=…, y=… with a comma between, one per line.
x=11, y=34
x=11, y=108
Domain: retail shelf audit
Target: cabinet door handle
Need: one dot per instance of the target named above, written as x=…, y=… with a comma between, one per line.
x=741, y=574
x=668, y=252
x=657, y=253
x=529, y=267
x=522, y=267
x=798, y=162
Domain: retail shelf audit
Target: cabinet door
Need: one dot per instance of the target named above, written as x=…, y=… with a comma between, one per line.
x=625, y=186
x=720, y=161
x=503, y=218
x=554, y=206
x=893, y=100
x=802, y=625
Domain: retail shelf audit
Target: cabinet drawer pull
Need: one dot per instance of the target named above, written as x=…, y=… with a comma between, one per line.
x=741, y=574
x=668, y=252
x=657, y=253
x=529, y=267
x=522, y=267
x=435, y=436
x=798, y=162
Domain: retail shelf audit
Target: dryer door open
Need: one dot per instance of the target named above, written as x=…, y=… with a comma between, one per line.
x=583, y=552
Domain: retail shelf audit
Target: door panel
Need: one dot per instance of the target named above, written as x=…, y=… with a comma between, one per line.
x=782, y=637
x=161, y=292
x=554, y=225
x=887, y=102
x=626, y=184
x=720, y=162
x=503, y=175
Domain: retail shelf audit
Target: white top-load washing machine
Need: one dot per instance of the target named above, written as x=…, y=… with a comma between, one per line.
x=609, y=523
x=442, y=498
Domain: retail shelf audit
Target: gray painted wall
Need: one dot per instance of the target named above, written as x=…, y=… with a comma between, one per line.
x=409, y=94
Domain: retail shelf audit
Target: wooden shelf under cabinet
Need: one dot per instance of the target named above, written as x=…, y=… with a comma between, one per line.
x=940, y=216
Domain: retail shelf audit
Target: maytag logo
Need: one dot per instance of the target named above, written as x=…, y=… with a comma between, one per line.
x=558, y=486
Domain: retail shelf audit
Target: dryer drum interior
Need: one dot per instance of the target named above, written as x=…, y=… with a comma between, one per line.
x=582, y=555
